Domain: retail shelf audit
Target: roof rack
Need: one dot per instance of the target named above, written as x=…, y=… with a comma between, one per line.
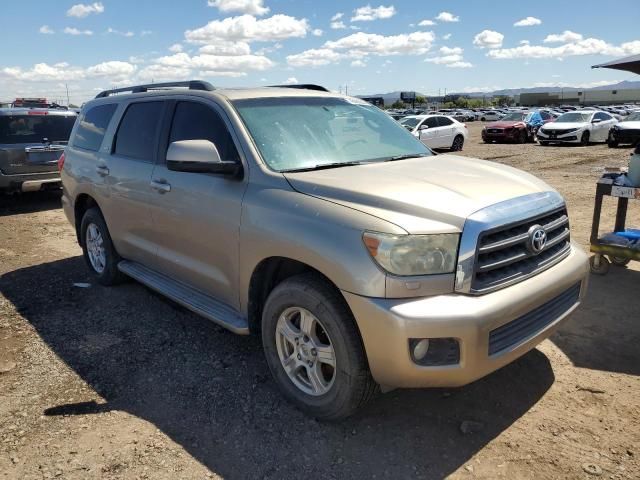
x=303, y=86
x=190, y=84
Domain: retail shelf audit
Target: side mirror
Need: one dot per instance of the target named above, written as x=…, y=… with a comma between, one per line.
x=423, y=127
x=596, y=120
x=198, y=156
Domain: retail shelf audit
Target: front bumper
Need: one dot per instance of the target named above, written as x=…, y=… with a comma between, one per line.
x=386, y=325
x=572, y=137
x=29, y=182
x=625, y=136
x=504, y=136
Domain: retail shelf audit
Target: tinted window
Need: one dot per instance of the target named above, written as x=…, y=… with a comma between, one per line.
x=195, y=121
x=545, y=115
x=35, y=128
x=93, y=124
x=444, y=121
x=602, y=116
x=138, y=131
x=431, y=122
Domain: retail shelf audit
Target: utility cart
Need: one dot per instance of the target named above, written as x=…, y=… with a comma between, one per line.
x=618, y=255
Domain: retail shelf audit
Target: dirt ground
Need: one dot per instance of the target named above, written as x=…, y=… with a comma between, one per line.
x=120, y=383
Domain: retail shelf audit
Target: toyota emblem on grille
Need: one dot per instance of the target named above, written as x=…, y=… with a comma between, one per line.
x=537, y=239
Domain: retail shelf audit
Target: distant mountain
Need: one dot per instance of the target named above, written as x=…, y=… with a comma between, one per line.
x=517, y=91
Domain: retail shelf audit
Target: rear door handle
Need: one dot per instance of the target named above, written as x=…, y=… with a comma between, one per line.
x=102, y=170
x=160, y=186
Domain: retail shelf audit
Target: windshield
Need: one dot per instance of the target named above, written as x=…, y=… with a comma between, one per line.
x=410, y=122
x=294, y=133
x=35, y=128
x=634, y=117
x=513, y=117
x=573, y=117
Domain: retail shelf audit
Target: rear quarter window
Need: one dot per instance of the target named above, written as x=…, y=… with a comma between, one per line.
x=92, y=127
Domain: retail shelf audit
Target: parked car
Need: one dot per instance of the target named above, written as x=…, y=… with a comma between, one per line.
x=362, y=259
x=437, y=131
x=625, y=132
x=32, y=139
x=491, y=116
x=580, y=126
x=511, y=128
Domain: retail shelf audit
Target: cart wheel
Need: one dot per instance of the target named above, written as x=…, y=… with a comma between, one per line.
x=599, y=264
x=619, y=261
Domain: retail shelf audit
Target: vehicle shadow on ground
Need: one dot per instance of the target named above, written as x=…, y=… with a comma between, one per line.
x=21, y=203
x=606, y=333
x=211, y=392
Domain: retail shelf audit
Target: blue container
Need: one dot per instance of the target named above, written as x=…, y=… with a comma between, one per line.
x=630, y=233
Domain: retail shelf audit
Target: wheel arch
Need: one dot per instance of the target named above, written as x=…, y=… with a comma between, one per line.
x=83, y=202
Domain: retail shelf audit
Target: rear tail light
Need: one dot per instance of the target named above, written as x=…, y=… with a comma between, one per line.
x=61, y=162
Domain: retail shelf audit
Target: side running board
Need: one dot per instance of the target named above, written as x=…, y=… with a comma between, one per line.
x=186, y=296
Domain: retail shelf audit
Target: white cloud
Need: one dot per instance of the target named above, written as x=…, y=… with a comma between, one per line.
x=176, y=48
x=248, y=28
x=528, y=22
x=445, y=59
x=446, y=37
x=45, y=29
x=82, y=10
x=118, y=32
x=219, y=63
x=144, y=33
x=426, y=23
x=226, y=49
x=75, y=31
x=459, y=65
x=290, y=81
x=314, y=57
x=524, y=42
x=317, y=32
x=164, y=73
x=358, y=63
x=337, y=17
x=588, y=46
x=361, y=43
x=599, y=83
x=369, y=13
x=488, y=39
x=447, y=17
x=338, y=25
x=564, y=37
x=42, y=72
x=114, y=70
x=451, y=51
x=251, y=7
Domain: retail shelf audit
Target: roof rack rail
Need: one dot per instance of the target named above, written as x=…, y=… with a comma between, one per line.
x=303, y=86
x=190, y=84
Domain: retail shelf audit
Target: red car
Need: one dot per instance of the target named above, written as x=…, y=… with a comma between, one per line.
x=513, y=127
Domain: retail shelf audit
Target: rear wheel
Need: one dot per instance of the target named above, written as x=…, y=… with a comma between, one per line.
x=484, y=119
x=619, y=261
x=98, y=250
x=611, y=142
x=599, y=264
x=457, y=144
x=584, y=139
x=314, y=350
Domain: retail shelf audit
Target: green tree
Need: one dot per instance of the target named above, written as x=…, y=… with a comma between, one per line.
x=398, y=104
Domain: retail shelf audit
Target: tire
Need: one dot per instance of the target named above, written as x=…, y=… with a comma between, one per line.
x=619, y=261
x=543, y=143
x=522, y=137
x=347, y=386
x=584, y=139
x=601, y=269
x=611, y=142
x=483, y=119
x=93, y=222
x=457, y=144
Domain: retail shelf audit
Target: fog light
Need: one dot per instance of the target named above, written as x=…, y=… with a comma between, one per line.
x=420, y=349
x=434, y=352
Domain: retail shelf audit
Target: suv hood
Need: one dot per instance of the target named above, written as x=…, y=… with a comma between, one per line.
x=422, y=195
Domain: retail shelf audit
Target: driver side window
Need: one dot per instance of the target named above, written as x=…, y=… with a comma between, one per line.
x=196, y=121
x=431, y=122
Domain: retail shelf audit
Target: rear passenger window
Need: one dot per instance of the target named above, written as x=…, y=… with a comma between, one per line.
x=138, y=130
x=431, y=122
x=92, y=127
x=196, y=121
x=444, y=121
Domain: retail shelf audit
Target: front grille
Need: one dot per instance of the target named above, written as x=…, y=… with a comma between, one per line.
x=495, y=130
x=503, y=256
x=532, y=323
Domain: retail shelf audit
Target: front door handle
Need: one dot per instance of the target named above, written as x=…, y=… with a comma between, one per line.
x=160, y=186
x=102, y=170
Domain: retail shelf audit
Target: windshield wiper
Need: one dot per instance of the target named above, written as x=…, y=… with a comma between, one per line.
x=323, y=166
x=406, y=157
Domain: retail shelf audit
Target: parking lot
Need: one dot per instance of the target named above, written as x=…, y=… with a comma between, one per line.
x=119, y=382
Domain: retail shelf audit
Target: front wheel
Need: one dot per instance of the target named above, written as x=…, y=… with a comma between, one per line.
x=98, y=250
x=599, y=264
x=313, y=348
x=611, y=142
x=457, y=144
x=584, y=139
x=522, y=136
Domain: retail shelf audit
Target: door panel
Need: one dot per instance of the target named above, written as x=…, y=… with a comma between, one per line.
x=197, y=222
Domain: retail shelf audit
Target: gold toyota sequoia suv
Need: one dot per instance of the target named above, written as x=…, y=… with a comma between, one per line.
x=365, y=261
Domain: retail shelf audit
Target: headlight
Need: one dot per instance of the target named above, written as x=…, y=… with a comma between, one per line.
x=406, y=255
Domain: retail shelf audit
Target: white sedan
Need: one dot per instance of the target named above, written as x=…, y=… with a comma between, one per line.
x=491, y=116
x=580, y=126
x=437, y=131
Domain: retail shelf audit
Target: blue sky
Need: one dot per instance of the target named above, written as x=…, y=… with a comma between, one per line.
x=373, y=47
